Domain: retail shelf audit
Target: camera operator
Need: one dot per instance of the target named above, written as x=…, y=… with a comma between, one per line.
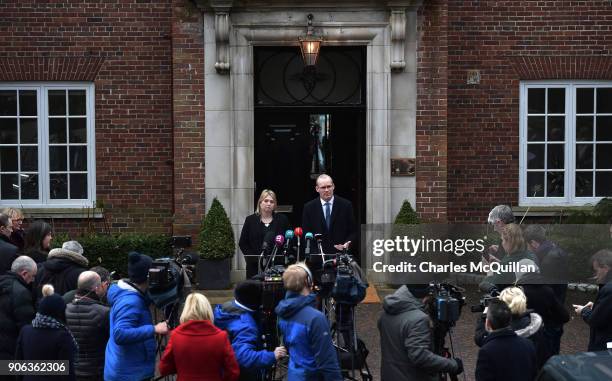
x=130, y=352
x=312, y=356
x=405, y=338
x=237, y=317
x=504, y=355
x=598, y=315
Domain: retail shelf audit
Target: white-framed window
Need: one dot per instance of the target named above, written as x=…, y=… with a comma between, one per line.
x=565, y=142
x=47, y=144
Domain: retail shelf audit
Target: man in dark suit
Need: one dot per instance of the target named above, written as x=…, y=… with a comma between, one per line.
x=8, y=251
x=331, y=216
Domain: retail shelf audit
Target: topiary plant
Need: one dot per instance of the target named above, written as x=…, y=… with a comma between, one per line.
x=216, y=234
x=407, y=215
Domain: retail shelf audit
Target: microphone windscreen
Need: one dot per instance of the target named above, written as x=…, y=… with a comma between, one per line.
x=309, y=235
x=288, y=234
x=298, y=231
x=279, y=240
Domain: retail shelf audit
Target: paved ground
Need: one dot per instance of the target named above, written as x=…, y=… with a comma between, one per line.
x=574, y=340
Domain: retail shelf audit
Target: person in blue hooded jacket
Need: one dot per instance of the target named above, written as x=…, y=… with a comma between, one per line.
x=130, y=351
x=237, y=317
x=312, y=356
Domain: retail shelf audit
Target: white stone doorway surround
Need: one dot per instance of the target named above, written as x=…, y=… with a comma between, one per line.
x=389, y=33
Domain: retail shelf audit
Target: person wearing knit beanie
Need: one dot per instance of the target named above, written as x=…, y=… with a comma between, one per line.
x=248, y=293
x=52, y=304
x=47, y=337
x=138, y=267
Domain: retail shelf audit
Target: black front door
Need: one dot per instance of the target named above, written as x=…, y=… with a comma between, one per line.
x=293, y=147
x=310, y=121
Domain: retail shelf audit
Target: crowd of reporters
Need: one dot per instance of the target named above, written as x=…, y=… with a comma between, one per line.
x=53, y=307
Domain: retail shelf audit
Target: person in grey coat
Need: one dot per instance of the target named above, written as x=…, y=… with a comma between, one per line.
x=405, y=338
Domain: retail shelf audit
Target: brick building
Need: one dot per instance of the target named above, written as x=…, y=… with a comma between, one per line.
x=137, y=113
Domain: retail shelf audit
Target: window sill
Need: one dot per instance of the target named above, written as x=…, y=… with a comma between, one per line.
x=548, y=211
x=35, y=213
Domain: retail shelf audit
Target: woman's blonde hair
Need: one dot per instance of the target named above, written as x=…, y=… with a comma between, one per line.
x=197, y=307
x=295, y=278
x=265, y=193
x=513, y=234
x=13, y=213
x=515, y=298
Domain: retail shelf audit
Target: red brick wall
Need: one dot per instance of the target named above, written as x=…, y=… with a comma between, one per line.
x=188, y=105
x=431, y=123
x=134, y=152
x=508, y=41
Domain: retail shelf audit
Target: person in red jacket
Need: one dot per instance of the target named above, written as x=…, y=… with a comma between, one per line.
x=197, y=350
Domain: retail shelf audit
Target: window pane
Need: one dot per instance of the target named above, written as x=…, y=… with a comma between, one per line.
x=584, y=128
x=58, y=186
x=584, y=184
x=604, y=156
x=556, y=128
x=78, y=130
x=8, y=131
x=604, y=128
x=57, y=158
x=535, y=101
x=604, y=100
x=535, y=128
x=78, y=158
x=9, y=187
x=554, y=184
x=556, y=156
x=584, y=101
x=535, y=184
x=27, y=103
x=29, y=187
x=603, y=184
x=556, y=101
x=28, y=133
x=78, y=186
x=57, y=102
x=76, y=102
x=535, y=156
x=8, y=159
x=584, y=156
x=57, y=130
x=29, y=159
x=8, y=103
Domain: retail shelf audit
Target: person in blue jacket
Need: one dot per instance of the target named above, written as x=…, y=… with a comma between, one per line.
x=312, y=356
x=130, y=351
x=237, y=317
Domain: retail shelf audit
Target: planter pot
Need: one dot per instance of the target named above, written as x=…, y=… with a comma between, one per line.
x=213, y=274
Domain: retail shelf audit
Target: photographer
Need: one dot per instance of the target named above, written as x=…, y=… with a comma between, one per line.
x=598, y=315
x=237, y=317
x=405, y=338
x=504, y=355
x=312, y=356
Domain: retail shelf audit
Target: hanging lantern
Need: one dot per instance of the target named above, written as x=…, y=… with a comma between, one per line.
x=310, y=45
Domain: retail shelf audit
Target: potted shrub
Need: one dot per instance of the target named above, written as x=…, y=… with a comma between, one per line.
x=217, y=246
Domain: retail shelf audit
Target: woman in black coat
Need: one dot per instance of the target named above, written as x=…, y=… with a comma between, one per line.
x=38, y=238
x=264, y=222
x=598, y=315
x=47, y=338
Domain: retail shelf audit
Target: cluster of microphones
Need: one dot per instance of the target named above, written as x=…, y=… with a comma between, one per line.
x=294, y=246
